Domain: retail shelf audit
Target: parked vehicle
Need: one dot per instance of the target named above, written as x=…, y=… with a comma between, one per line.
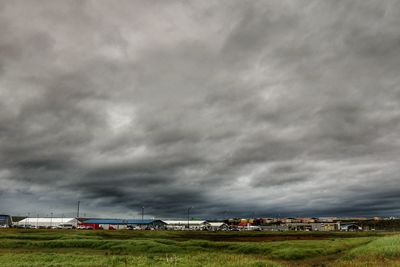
x=65, y=226
x=85, y=227
x=131, y=227
x=25, y=226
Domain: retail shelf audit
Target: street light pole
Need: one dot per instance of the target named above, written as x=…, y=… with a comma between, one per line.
x=188, y=217
x=77, y=212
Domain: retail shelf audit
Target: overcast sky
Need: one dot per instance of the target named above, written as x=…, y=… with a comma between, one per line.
x=233, y=107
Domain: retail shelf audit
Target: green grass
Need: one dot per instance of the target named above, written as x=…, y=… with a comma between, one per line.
x=384, y=251
x=198, y=259
x=388, y=247
x=186, y=248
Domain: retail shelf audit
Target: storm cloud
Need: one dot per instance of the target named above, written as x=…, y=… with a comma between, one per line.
x=232, y=107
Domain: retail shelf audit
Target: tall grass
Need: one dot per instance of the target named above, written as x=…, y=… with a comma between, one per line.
x=281, y=250
x=384, y=251
x=209, y=259
x=170, y=248
x=387, y=247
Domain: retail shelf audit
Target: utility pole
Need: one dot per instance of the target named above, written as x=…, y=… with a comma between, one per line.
x=188, y=217
x=77, y=212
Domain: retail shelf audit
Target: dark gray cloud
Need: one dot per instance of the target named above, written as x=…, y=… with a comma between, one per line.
x=235, y=107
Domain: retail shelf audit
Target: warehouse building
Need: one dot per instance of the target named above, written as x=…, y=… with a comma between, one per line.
x=121, y=224
x=313, y=226
x=107, y=224
x=217, y=226
x=350, y=227
x=181, y=225
x=47, y=222
x=5, y=221
x=146, y=224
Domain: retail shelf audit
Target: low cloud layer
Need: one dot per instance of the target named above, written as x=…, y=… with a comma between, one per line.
x=235, y=108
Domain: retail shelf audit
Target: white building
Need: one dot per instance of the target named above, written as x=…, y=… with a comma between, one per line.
x=350, y=227
x=46, y=222
x=181, y=225
x=217, y=226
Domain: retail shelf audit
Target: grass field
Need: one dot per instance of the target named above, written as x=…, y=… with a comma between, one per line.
x=187, y=248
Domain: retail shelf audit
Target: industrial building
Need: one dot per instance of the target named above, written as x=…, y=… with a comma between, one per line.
x=217, y=226
x=5, y=221
x=181, y=225
x=350, y=227
x=313, y=226
x=46, y=222
x=120, y=224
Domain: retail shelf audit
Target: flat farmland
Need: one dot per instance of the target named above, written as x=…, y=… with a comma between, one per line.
x=19, y=247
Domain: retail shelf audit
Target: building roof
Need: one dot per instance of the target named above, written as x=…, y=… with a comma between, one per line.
x=33, y=220
x=138, y=221
x=106, y=221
